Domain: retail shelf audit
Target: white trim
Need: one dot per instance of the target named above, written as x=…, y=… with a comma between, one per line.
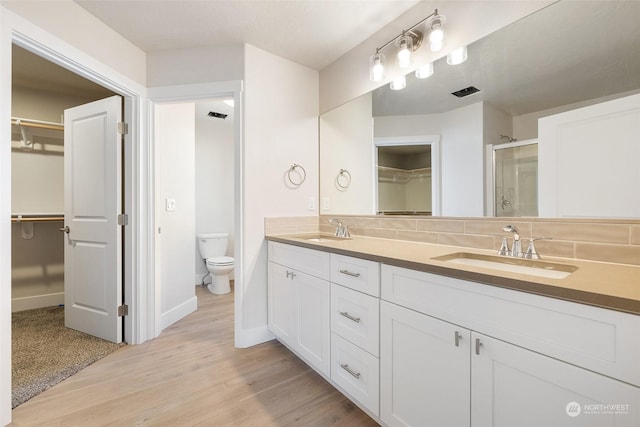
x=14, y=28
x=436, y=173
x=37, y=301
x=194, y=92
x=176, y=313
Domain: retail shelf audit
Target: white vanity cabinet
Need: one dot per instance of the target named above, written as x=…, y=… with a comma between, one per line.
x=355, y=327
x=448, y=345
x=298, y=306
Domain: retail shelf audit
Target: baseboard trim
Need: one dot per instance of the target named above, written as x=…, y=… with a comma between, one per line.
x=37, y=301
x=172, y=316
x=254, y=336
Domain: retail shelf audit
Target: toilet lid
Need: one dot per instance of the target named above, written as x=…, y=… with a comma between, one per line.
x=220, y=260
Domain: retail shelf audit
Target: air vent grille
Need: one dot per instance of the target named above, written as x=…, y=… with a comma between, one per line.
x=465, y=92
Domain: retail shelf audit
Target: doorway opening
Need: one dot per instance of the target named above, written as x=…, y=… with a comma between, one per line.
x=41, y=92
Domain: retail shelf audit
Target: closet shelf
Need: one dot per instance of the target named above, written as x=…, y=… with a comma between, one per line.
x=38, y=218
x=389, y=174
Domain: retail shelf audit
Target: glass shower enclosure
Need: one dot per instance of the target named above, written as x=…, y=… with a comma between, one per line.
x=515, y=168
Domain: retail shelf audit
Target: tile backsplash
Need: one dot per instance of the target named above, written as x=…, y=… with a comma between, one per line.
x=615, y=240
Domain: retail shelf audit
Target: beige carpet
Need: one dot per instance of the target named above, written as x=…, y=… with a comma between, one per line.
x=44, y=352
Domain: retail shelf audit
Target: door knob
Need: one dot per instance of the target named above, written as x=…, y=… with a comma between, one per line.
x=65, y=229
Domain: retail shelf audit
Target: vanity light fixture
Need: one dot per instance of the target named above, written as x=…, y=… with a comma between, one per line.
x=424, y=71
x=408, y=42
x=457, y=56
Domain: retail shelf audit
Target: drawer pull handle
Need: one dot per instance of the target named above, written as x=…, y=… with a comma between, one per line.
x=458, y=338
x=478, y=344
x=349, y=273
x=350, y=317
x=346, y=367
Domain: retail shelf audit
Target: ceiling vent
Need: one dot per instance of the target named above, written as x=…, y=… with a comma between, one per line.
x=465, y=92
x=217, y=115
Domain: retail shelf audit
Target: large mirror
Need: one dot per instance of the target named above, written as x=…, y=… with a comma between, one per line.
x=564, y=57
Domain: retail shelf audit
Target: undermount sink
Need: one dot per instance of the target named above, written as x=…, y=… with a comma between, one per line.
x=320, y=238
x=513, y=265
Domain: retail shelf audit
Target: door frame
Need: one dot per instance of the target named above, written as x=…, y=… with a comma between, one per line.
x=136, y=168
x=434, y=142
x=194, y=93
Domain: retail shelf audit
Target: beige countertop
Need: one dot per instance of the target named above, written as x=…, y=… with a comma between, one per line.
x=606, y=285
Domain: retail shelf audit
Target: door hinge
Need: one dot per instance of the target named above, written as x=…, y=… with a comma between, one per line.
x=123, y=128
x=123, y=310
x=123, y=219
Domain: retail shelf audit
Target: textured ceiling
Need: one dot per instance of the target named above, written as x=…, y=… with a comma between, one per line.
x=310, y=32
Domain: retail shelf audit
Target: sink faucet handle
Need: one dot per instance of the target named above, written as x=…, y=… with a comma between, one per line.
x=531, y=252
x=346, y=232
x=504, y=247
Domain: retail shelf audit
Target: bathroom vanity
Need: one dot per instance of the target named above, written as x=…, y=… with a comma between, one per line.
x=415, y=339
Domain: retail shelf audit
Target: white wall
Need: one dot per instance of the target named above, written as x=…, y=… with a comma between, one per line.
x=346, y=142
x=196, y=65
x=175, y=164
x=462, y=162
x=466, y=22
x=280, y=128
x=214, y=175
x=408, y=125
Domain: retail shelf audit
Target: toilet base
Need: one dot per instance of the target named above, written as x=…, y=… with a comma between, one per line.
x=219, y=285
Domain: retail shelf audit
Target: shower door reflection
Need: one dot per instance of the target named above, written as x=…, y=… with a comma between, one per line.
x=516, y=178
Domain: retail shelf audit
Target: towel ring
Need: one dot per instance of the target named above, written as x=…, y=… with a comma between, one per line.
x=346, y=179
x=303, y=177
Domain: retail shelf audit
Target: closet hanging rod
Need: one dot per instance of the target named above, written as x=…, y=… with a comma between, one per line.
x=37, y=218
x=36, y=124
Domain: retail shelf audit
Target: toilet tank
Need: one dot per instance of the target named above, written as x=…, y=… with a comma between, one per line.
x=212, y=244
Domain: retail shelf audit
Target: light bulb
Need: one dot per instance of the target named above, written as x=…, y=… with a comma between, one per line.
x=376, y=70
x=436, y=35
x=398, y=83
x=457, y=56
x=404, y=54
x=424, y=71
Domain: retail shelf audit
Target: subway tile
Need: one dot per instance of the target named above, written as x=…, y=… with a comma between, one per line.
x=382, y=233
x=466, y=240
x=635, y=234
x=495, y=227
x=418, y=236
x=583, y=232
x=399, y=224
x=440, y=225
x=623, y=254
x=555, y=248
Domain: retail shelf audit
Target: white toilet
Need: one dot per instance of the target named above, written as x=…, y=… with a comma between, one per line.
x=212, y=248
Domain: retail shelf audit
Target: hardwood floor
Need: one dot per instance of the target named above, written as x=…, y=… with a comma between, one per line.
x=192, y=375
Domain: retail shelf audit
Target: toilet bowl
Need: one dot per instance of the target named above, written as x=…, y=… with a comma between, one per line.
x=212, y=247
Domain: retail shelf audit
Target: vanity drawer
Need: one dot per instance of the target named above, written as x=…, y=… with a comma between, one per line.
x=355, y=273
x=356, y=372
x=314, y=263
x=594, y=338
x=356, y=317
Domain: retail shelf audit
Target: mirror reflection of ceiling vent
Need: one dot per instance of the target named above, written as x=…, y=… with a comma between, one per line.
x=465, y=92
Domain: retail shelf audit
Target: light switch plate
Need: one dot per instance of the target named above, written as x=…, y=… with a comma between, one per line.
x=170, y=205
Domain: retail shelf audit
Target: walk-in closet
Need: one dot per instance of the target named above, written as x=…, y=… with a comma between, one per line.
x=41, y=91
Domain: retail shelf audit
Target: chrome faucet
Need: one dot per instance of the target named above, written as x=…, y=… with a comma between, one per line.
x=516, y=248
x=341, y=229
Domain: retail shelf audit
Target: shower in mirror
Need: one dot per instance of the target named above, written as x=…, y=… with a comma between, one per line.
x=515, y=177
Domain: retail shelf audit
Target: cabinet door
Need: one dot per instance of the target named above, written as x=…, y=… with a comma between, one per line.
x=512, y=386
x=312, y=314
x=424, y=370
x=282, y=303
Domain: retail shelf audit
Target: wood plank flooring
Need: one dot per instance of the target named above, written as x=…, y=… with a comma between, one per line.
x=193, y=376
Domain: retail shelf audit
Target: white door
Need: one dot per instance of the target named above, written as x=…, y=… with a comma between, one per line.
x=93, y=200
x=512, y=386
x=424, y=370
